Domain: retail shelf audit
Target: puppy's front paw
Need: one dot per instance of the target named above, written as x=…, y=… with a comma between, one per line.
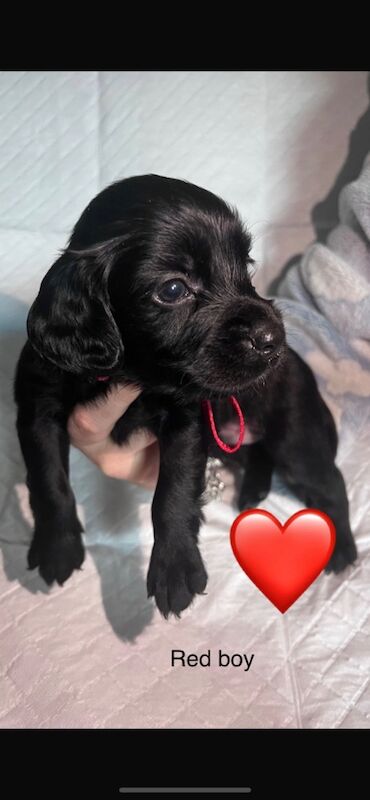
x=56, y=555
x=175, y=576
x=344, y=554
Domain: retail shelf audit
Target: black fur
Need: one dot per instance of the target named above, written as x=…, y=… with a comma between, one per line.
x=102, y=310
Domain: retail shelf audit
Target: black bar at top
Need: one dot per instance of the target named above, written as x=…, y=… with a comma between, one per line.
x=184, y=790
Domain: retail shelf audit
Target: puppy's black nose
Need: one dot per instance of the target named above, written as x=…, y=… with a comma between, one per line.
x=263, y=338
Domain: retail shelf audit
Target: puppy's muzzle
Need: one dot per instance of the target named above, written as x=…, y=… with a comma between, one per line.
x=259, y=331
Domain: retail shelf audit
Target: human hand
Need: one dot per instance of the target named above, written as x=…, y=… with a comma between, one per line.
x=89, y=428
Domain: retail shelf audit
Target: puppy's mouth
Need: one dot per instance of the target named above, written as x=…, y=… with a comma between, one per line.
x=230, y=378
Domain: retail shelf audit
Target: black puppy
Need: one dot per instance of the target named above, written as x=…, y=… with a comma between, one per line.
x=154, y=290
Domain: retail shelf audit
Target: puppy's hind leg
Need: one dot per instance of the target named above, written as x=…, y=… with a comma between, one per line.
x=258, y=467
x=302, y=440
x=314, y=478
x=329, y=495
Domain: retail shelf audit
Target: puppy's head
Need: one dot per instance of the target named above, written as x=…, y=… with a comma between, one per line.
x=157, y=277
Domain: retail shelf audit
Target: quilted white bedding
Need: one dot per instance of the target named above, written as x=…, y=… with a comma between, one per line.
x=96, y=653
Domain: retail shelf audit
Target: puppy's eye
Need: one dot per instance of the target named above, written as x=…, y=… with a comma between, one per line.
x=173, y=291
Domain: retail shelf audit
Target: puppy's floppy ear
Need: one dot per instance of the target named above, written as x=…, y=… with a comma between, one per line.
x=71, y=323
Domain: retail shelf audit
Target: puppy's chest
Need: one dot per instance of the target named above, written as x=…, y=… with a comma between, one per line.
x=229, y=432
x=152, y=415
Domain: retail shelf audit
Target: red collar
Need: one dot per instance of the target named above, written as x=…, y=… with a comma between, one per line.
x=207, y=407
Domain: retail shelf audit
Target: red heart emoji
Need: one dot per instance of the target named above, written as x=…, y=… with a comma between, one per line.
x=282, y=560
